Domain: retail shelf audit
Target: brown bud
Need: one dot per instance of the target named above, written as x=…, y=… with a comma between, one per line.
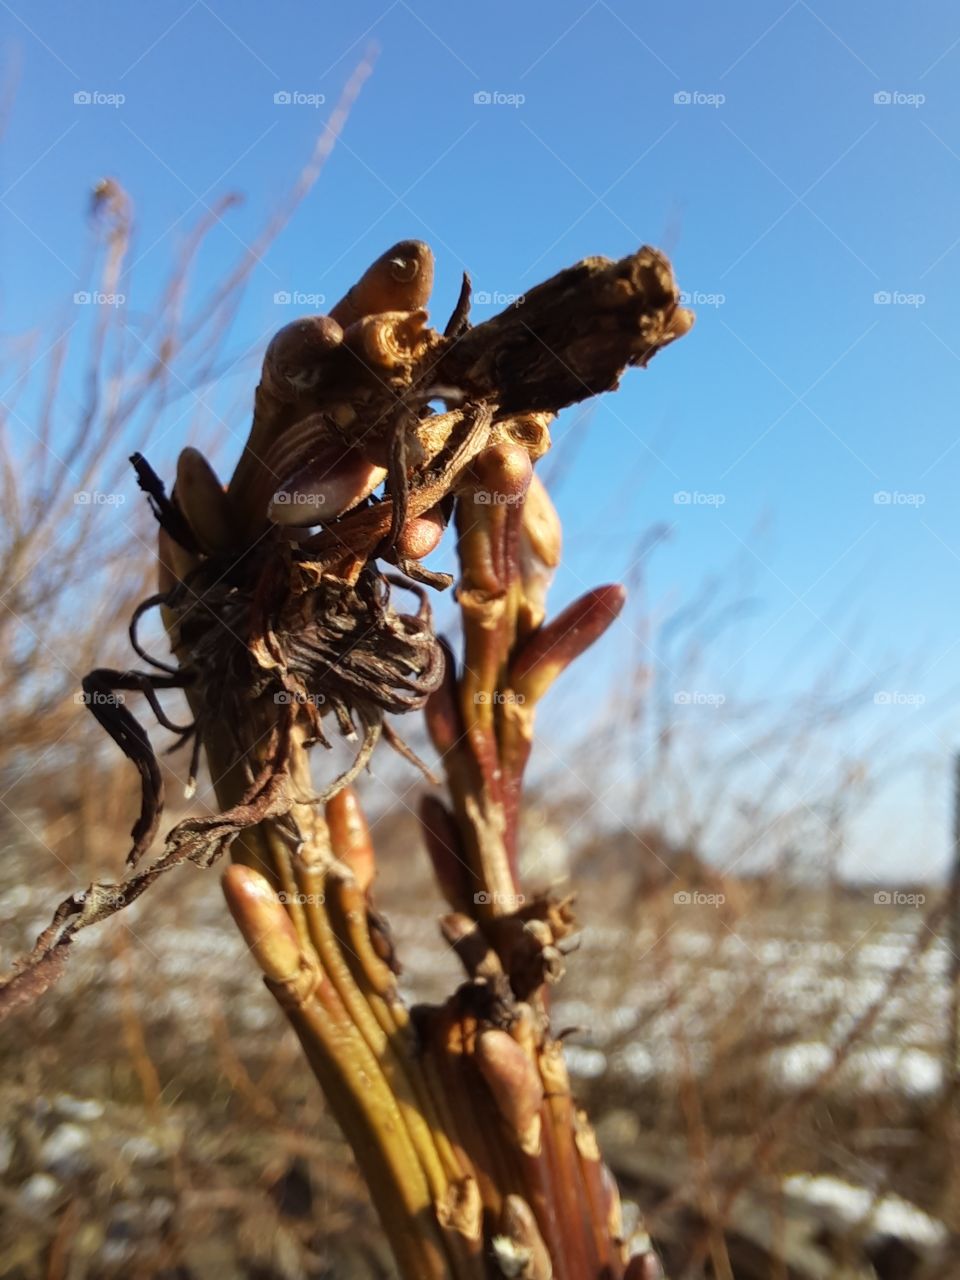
x=542, y=531
x=442, y=712
x=445, y=852
x=294, y=362
x=267, y=929
x=519, y=1225
x=325, y=488
x=204, y=502
x=421, y=535
x=471, y=945
x=504, y=470
x=350, y=836
x=552, y=648
x=515, y=1083
x=174, y=562
x=400, y=280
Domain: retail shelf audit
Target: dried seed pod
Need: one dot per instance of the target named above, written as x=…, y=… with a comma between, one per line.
x=519, y=1225
x=400, y=280
x=387, y=343
x=529, y=430
x=515, y=1083
x=350, y=836
x=204, y=502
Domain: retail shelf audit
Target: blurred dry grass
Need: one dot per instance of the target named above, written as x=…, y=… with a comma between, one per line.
x=158, y=1120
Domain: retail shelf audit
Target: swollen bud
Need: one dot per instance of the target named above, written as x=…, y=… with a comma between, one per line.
x=204, y=503
x=515, y=1083
x=552, y=648
x=267, y=929
x=325, y=488
x=400, y=280
x=350, y=836
x=520, y=1239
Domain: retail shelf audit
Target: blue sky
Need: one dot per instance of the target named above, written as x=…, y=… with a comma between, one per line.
x=799, y=163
